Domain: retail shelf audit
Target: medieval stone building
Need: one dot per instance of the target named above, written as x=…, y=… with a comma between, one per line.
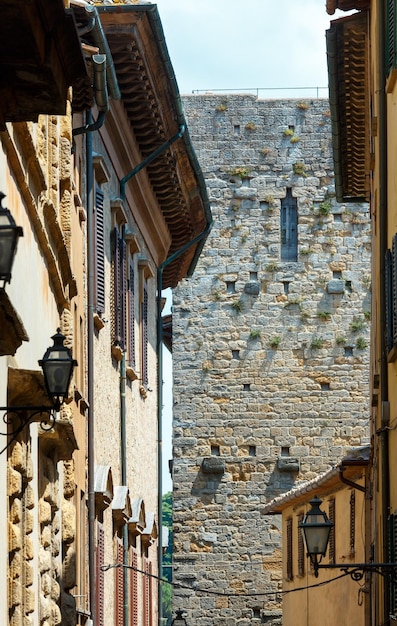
x=270, y=347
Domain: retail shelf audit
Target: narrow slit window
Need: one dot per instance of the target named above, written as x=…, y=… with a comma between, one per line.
x=215, y=450
x=289, y=228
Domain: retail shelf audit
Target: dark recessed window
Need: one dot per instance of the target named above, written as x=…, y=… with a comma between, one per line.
x=325, y=387
x=291, y=127
x=285, y=451
x=235, y=354
x=230, y=286
x=253, y=275
x=289, y=227
x=215, y=451
x=348, y=351
x=256, y=613
x=286, y=288
x=252, y=450
x=236, y=129
x=337, y=217
x=348, y=286
x=247, y=387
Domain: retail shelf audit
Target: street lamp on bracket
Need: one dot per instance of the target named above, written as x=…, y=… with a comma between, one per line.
x=57, y=365
x=9, y=235
x=316, y=528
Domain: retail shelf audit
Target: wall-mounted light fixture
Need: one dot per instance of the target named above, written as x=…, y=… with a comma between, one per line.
x=179, y=620
x=316, y=528
x=9, y=235
x=57, y=365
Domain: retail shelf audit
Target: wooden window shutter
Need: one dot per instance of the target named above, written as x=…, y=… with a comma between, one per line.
x=392, y=549
x=119, y=584
x=290, y=572
x=131, y=315
x=394, y=289
x=99, y=224
x=301, y=548
x=145, y=597
x=100, y=575
x=331, y=545
x=119, y=289
x=352, y=522
x=391, y=47
x=389, y=300
x=145, y=338
x=134, y=598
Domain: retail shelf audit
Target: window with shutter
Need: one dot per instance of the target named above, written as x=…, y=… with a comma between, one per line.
x=301, y=548
x=391, y=47
x=131, y=315
x=392, y=549
x=100, y=559
x=134, y=598
x=147, y=599
x=289, y=550
x=144, y=321
x=331, y=545
x=99, y=252
x=352, y=522
x=389, y=300
x=119, y=289
x=289, y=228
x=119, y=584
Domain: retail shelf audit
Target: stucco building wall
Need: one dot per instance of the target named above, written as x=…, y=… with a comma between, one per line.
x=270, y=355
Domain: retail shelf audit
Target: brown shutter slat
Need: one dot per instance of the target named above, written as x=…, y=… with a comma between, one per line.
x=100, y=556
x=99, y=252
x=289, y=550
x=131, y=316
x=134, y=602
x=145, y=379
x=119, y=586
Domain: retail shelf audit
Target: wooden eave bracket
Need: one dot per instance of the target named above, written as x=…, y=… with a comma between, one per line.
x=102, y=173
x=118, y=210
x=146, y=266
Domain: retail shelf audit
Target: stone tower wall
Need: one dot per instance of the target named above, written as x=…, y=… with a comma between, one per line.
x=271, y=356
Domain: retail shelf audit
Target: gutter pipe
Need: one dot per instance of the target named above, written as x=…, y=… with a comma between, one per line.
x=90, y=377
x=149, y=159
x=101, y=42
x=383, y=232
x=101, y=95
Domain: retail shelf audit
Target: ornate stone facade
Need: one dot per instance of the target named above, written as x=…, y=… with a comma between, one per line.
x=270, y=347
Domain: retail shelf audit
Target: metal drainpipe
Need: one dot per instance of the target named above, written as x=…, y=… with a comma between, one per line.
x=160, y=270
x=90, y=376
x=383, y=228
x=149, y=159
x=123, y=465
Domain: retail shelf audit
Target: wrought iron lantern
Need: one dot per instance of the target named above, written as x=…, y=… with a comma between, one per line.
x=57, y=364
x=179, y=620
x=9, y=235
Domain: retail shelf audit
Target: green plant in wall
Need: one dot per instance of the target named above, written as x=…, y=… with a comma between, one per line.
x=237, y=306
x=306, y=251
x=239, y=172
x=299, y=169
x=357, y=324
x=324, y=315
x=271, y=268
x=325, y=207
x=340, y=340
x=288, y=132
x=265, y=151
x=361, y=343
x=317, y=343
x=274, y=342
x=250, y=126
x=221, y=107
x=367, y=315
x=295, y=139
x=255, y=334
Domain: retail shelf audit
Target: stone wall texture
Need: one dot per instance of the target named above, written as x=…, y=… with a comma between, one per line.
x=271, y=356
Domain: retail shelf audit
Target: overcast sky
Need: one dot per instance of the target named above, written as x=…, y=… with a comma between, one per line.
x=232, y=44
x=236, y=45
